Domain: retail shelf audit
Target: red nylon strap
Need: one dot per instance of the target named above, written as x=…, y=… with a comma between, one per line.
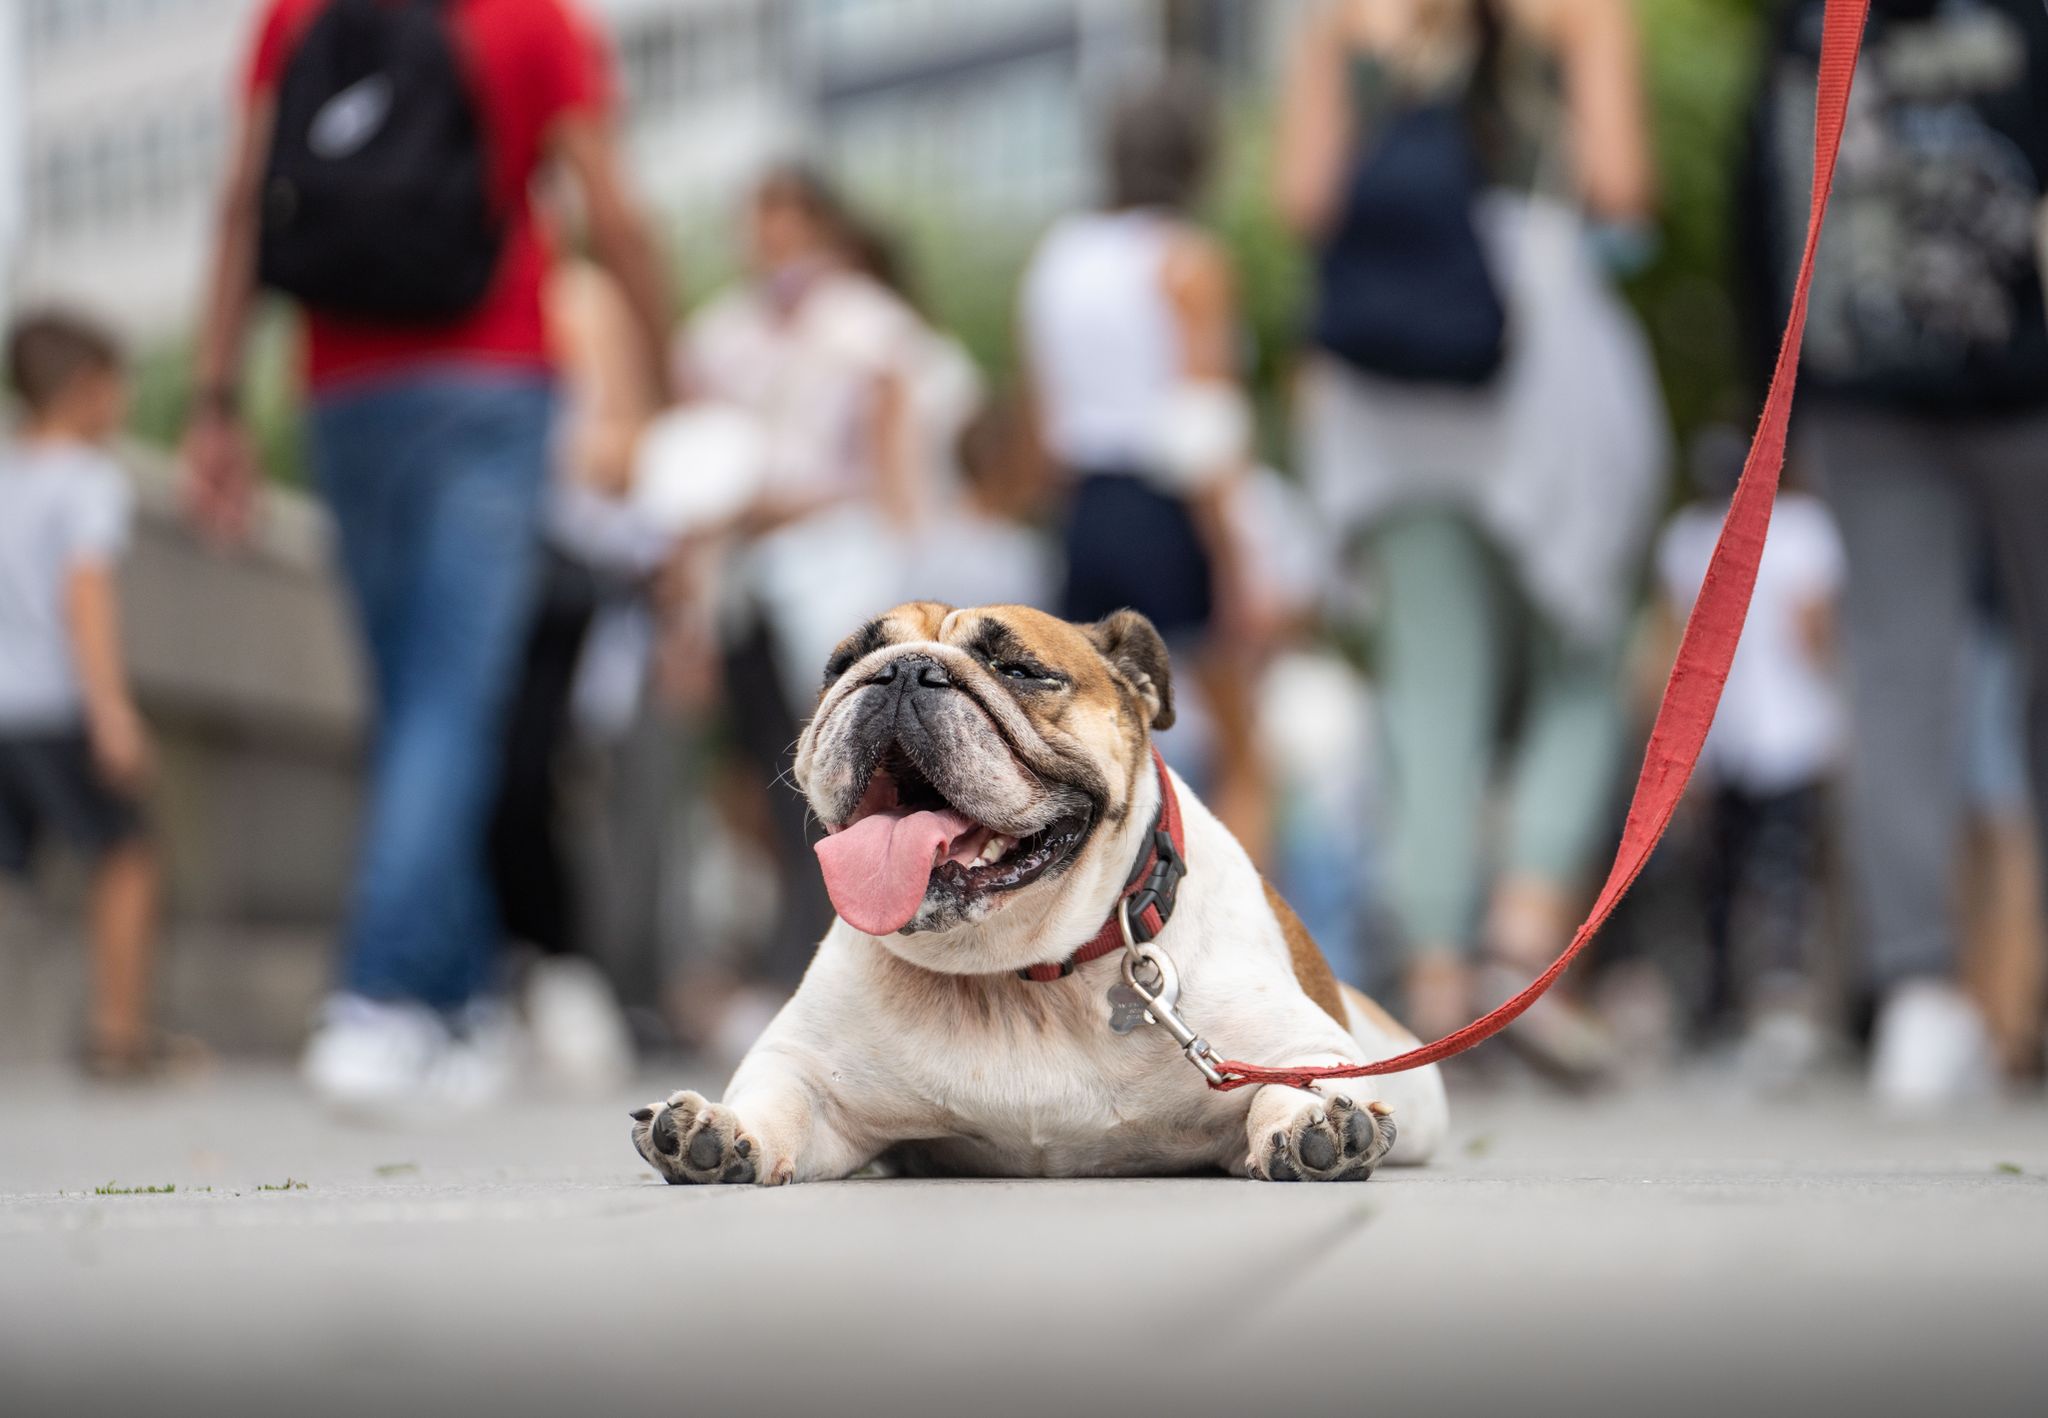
x=1149, y=920
x=1694, y=690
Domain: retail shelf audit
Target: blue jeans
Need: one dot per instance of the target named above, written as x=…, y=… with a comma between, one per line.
x=436, y=482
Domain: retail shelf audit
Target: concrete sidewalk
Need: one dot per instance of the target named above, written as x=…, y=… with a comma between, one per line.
x=1671, y=1253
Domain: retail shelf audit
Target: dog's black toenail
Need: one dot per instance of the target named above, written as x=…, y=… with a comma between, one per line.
x=1318, y=1149
x=641, y=1115
x=667, y=1140
x=744, y=1147
x=706, y=1148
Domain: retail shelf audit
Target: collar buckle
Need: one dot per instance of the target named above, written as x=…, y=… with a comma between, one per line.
x=1152, y=903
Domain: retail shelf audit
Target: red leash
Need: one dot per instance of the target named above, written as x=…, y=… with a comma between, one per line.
x=1694, y=690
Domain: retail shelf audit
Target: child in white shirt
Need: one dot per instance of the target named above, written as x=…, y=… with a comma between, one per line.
x=1772, y=748
x=74, y=754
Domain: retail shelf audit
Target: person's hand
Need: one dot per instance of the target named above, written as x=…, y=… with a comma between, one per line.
x=220, y=476
x=121, y=748
x=689, y=675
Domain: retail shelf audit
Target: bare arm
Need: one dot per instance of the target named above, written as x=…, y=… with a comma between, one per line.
x=2041, y=236
x=231, y=279
x=1034, y=473
x=621, y=239
x=1203, y=296
x=1817, y=630
x=597, y=341
x=92, y=609
x=898, y=486
x=220, y=473
x=1315, y=126
x=1603, y=74
x=1035, y=442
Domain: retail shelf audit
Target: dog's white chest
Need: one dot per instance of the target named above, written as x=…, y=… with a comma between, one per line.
x=1056, y=1093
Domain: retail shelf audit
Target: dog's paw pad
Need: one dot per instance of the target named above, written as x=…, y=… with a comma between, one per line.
x=1338, y=1141
x=689, y=1140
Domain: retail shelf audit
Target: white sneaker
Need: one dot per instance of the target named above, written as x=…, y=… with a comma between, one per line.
x=1930, y=1048
x=480, y=1060
x=372, y=1056
x=580, y=1036
x=1782, y=1051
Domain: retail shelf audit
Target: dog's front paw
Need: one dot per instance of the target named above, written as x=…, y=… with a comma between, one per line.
x=1337, y=1141
x=687, y=1139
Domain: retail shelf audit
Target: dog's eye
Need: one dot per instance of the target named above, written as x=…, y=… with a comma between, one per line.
x=1023, y=672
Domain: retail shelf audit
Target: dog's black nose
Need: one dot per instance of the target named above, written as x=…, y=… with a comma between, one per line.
x=916, y=671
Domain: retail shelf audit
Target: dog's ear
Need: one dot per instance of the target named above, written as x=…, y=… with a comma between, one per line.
x=1135, y=651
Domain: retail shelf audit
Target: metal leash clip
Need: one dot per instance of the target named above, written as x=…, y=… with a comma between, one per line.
x=1136, y=1001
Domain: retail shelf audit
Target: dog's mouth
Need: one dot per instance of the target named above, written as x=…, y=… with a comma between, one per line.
x=905, y=840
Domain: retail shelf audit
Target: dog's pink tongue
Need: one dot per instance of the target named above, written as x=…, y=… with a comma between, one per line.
x=878, y=869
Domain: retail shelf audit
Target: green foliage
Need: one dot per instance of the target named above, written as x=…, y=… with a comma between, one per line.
x=1700, y=65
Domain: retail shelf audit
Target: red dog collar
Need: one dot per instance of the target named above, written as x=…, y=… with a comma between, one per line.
x=1148, y=895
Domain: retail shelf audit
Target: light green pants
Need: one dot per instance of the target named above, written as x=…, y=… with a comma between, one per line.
x=1457, y=644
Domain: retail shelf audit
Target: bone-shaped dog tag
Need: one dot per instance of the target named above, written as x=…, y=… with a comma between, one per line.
x=1126, y=1008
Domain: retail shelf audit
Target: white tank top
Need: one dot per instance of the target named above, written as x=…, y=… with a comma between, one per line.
x=1102, y=339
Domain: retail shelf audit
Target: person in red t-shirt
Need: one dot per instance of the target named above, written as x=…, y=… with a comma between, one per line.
x=430, y=443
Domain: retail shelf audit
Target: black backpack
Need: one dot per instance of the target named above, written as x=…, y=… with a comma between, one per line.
x=1406, y=290
x=1929, y=293
x=377, y=194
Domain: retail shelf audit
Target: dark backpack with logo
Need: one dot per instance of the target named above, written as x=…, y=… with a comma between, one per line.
x=1929, y=292
x=377, y=194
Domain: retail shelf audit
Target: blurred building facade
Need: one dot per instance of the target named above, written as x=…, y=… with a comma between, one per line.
x=13, y=148
x=111, y=142
x=122, y=114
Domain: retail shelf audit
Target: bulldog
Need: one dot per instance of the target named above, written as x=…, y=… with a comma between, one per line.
x=996, y=820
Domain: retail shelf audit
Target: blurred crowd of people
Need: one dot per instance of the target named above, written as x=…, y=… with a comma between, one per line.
x=563, y=515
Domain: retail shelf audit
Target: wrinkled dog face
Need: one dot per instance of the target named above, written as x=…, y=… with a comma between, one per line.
x=963, y=760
